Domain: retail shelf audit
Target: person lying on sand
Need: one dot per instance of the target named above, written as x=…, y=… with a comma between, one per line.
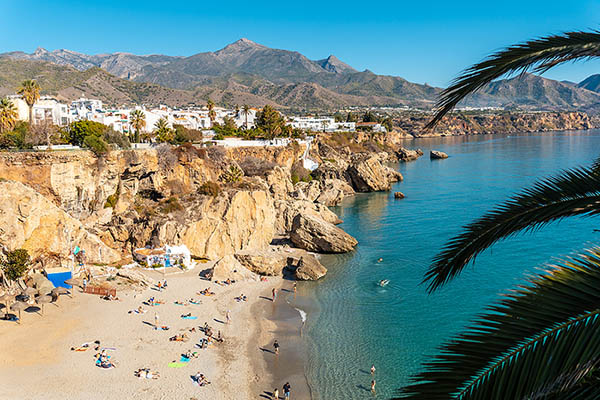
x=139, y=310
x=110, y=297
x=186, y=315
x=206, y=292
x=179, y=338
x=201, y=380
x=181, y=303
x=241, y=298
x=194, y=301
x=146, y=373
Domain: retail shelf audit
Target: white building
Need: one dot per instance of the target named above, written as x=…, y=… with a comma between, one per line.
x=45, y=109
x=371, y=126
x=326, y=124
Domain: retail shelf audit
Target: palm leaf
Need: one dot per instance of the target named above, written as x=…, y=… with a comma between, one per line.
x=541, y=341
x=538, y=55
x=574, y=192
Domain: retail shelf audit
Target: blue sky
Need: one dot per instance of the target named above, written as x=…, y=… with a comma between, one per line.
x=422, y=41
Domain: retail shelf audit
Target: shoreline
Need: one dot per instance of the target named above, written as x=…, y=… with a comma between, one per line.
x=282, y=321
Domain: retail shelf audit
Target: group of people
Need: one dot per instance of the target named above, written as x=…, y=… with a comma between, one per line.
x=103, y=360
x=286, y=391
x=161, y=285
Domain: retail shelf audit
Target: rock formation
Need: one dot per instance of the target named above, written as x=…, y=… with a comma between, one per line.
x=314, y=234
x=309, y=269
x=437, y=155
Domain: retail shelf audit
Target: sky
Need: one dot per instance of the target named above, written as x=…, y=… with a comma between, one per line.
x=422, y=41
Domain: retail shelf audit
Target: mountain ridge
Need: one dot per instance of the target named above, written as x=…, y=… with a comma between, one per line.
x=247, y=70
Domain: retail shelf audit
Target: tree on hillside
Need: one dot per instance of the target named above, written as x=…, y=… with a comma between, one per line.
x=246, y=110
x=370, y=117
x=162, y=131
x=8, y=115
x=388, y=124
x=210, y=105
x=137, y=120
x=30, y=91
x=270, y=121
x=542, y=341
x=16, y=264
x=352, y=117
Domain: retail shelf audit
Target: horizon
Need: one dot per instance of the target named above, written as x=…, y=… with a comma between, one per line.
x=407, y=41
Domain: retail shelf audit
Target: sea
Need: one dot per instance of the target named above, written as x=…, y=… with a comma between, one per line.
x=353, y=323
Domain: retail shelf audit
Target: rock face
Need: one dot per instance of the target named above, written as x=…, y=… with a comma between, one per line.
x=263, y=262
x=437, y=155
x=229, y=267
x=371, y=175
x=333, y=192
x=29, y=220
x=286, y=211
x=405, y=155
x=314, y=234
x=310, y=269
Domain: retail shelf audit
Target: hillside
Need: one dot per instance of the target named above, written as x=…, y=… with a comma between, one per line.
x=245, y=72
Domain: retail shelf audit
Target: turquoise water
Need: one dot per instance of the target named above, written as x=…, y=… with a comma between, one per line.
x=359, y=323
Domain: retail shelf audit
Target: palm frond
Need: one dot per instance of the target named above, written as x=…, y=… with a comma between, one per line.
x=538, y=55
x=541, y=341
x=574, y=192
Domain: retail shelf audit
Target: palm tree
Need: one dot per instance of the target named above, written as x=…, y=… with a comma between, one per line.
x=246, y=109
x=8, y=115
x=542, y=341
x=162, y=131
x=137, y=120
x=211, y=110
x=30, y=91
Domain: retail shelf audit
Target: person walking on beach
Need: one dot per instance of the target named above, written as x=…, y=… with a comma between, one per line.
x=286, y=390
x=155, y=321
x=274, y=293
x=228, y=317
x=373, y=386
x=372, y=369
x=276, y=393
x=84, y=284
x=295, y=284
x=276, y=346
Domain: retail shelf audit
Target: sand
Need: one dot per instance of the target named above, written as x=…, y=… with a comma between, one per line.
x=36, y=361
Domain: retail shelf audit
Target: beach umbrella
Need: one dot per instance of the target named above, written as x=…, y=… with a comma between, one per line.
x=30, y=291
x=19, y=306
x=59, y=290
x=43, y=300
x=73, y=282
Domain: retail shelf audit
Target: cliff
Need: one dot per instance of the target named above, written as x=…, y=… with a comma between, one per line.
x=496, y=123
x=53, y=201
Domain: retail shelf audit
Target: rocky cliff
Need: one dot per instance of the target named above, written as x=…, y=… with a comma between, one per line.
x=53, y=201
x=497, y=123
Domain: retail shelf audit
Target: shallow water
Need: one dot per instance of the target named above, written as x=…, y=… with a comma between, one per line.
x=359, y=323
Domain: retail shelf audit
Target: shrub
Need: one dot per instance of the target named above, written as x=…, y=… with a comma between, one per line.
x=253, y=166
x=167, y=158
x=210, y=188
x=113, y=137
x=96, y=144
x=185, y=135
x=299, y=173
x=77, y=131
x=171, y=205
x=217, y=153
x=16, y=264
x=232, y=175
x=111, y=201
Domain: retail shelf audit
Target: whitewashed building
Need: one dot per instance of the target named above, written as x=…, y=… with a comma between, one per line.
x=45, y=109
x=326, y=124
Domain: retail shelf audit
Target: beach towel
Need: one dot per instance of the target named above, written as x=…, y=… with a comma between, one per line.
x=191, y=317
x=193, y=302
x=184, y=359
x=179, y=304
x=176, y=365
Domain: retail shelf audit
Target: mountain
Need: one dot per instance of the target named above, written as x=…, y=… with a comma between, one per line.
x=247, y=72
x=591, y=83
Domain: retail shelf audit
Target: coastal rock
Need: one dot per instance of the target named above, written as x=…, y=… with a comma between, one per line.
x=371, y=175
x=437, y=155
x=333, y=192
x=263, y=262
x=29, y=220
x=405, y=155
x=314, y=234
x=310, y=269
x=286, y=211
x=135, y=276
x=279, y=183
x=398, y=195
x=229, y=267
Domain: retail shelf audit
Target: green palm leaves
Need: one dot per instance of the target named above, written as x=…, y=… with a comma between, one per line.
x=30, y=90
x=8, y=115
x=538, y=55
x=541, y=341
x=574, y=192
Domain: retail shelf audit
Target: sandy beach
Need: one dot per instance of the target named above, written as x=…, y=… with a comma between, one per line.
x=37, y=362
